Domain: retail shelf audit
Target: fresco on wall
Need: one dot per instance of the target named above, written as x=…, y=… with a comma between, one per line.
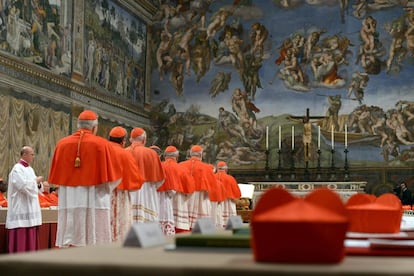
x=115, y=50
x=228, y=74
x=38, y=32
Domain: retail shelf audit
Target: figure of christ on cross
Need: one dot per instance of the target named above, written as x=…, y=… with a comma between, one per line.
x=307, y=132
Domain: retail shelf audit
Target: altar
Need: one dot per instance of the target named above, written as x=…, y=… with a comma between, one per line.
x=299, y=188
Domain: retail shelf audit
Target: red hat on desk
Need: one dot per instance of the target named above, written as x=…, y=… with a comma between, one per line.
x=368, y=213
x=288, y=229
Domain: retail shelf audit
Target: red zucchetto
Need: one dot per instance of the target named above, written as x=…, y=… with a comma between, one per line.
x=221, y=165
x=88, y=115
x=117, y=132
x=196, y=148
x=170, y=149
x=137, y=132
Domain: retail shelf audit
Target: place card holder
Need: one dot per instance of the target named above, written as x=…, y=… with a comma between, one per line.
x=234, y=222
x=144, y=235
x=204, y=226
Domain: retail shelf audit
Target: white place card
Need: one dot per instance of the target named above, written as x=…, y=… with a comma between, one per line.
x=407, y=223
x=391, y=244
x=247, y=190
x=145, y=235
x=204, y=226
x=359, y=235
x=234, y=222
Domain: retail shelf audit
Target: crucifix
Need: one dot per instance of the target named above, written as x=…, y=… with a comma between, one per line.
x=307, y=133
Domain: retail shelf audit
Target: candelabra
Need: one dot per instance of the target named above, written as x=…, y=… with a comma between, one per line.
x=267, y=160
x=306, y=175
x=292, y=166
x=333, y=176
x=318, y=168
x=279, y=166
x=346, y=167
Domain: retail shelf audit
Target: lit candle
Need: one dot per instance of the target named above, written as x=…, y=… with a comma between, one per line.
x=280, y=137
x=346, y=136
x=267, y=137
x=332, y=136
x=293, y=137
x=319, y=137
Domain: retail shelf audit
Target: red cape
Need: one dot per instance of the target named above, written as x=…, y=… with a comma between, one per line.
x=131, y=175
x=148, y=162
x=99, y=163
x=177, y=178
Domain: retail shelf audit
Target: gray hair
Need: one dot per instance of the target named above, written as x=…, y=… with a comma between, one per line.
x=171, y=154
x=142, y=137
x=25, y=149
x=88, y=124
x=196, y=153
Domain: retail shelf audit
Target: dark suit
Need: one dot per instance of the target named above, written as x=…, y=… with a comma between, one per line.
x=406, y=197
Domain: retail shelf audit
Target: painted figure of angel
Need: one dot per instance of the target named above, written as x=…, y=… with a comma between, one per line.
x=162, y=54
x=217, y=22
x=258, y=36
x=358, y=84
x=220, y=83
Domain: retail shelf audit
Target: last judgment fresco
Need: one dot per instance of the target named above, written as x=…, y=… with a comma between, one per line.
x=289, y=77
x=245, y=79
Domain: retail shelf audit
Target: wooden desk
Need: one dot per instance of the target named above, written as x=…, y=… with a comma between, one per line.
x=47, y=230
x=116, y=260
x=48, y=215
